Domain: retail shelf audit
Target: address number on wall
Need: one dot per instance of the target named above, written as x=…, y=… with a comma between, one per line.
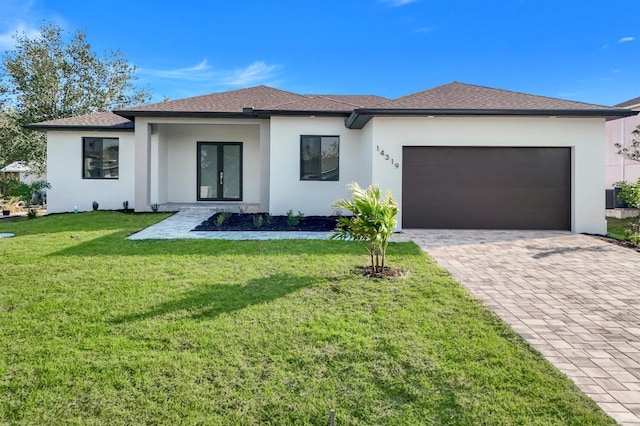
x=387, y=157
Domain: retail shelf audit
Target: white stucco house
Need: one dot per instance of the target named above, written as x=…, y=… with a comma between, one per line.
x=455, y=156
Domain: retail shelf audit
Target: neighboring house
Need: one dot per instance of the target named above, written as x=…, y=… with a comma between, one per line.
x=619, y=132
x=19, y=170
x=455, y=156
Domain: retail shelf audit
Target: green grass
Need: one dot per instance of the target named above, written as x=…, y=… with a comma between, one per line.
x=616, y=228
x=96, y=329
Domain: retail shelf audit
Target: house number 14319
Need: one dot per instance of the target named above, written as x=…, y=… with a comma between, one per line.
x=387, y=157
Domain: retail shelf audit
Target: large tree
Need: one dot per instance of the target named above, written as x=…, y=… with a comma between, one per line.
x=54, y=75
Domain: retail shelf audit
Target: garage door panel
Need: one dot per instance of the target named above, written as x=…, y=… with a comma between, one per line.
x=502, y=188
x=495, y=198
x=476, y=218
x=493, y=156
x=528, y=177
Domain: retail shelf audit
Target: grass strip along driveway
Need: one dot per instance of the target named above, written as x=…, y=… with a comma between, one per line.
x=98, y=329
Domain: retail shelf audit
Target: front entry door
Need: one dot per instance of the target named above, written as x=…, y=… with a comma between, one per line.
x=219, y=171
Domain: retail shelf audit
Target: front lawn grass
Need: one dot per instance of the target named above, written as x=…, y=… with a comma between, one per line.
x=96, y=329
x=617, y=228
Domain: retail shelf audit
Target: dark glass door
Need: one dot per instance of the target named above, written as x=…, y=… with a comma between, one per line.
x=219, y=171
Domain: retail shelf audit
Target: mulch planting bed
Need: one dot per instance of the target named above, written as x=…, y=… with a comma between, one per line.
x=251, y=222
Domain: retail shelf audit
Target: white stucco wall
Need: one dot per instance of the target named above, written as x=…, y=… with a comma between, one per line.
x=585, y=136
x=618, y=167
x=181, y=158
x=167, y=146
x=366, y=152
x=287, y=191
x=171, y=158
x=64, y=173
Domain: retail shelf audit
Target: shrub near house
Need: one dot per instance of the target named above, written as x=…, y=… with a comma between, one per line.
x=372, y=223
x=630, y=194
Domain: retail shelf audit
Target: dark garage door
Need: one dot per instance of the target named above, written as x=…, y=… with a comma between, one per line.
x=486, y=188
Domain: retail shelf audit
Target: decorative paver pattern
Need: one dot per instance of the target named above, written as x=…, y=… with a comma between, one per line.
x=574, y=298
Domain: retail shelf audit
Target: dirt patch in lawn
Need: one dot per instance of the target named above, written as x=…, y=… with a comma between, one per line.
x=225, y=221
x=387, y=272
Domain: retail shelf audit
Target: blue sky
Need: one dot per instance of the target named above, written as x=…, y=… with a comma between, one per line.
x=585, y=50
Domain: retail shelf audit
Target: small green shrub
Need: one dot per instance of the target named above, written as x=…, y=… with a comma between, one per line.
x=125, y=205
x=633, y=233
x=95, y=205
x=372, y=223
x=154, y=207
x=222, y=217
x=293, y=219
x=32, y=214
x=258, y=221
x=629, y=192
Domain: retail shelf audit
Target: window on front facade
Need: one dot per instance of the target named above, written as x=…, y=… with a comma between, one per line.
x=319, y=157
x=100, y=158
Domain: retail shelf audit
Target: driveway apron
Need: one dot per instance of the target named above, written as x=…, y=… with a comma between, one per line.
x=575, y=298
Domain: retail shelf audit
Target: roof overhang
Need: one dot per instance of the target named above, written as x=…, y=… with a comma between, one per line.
x=132, y=114
x=245, y=114
x=361, y=116
x=46, y=128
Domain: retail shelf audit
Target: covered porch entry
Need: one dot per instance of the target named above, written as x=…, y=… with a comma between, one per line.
x=202, y=163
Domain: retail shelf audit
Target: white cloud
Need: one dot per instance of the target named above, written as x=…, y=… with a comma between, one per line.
x=199, y=72
x=258, y=72
x=625, y=39
x=396, y=3
x=7, y=42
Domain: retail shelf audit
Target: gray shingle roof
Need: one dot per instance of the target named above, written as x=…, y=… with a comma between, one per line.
x=262, y=101
x=259, y=97
x=470, y=97
x=103, y=120
x=358, y=101
x=635, y=102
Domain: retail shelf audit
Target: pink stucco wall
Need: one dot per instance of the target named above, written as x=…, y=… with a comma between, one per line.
x=616, y=167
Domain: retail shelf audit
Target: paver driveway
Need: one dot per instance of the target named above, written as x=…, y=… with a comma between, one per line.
x=574, y=298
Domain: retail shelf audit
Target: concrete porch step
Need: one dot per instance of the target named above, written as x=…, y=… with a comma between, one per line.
x=209, y=206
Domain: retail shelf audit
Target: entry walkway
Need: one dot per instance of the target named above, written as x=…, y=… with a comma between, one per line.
x=574, y=298
x=179, y=226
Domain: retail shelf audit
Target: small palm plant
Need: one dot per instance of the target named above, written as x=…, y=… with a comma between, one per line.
x=372, y=222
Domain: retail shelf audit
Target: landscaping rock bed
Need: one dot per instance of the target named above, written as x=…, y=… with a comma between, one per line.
x=225, y=221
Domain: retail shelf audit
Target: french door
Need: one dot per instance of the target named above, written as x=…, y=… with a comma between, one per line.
x=219, y=171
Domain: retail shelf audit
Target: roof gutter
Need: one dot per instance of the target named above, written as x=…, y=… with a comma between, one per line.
x=246, y=113
x=44, y=128
x=131, y=114
x=361, y=116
